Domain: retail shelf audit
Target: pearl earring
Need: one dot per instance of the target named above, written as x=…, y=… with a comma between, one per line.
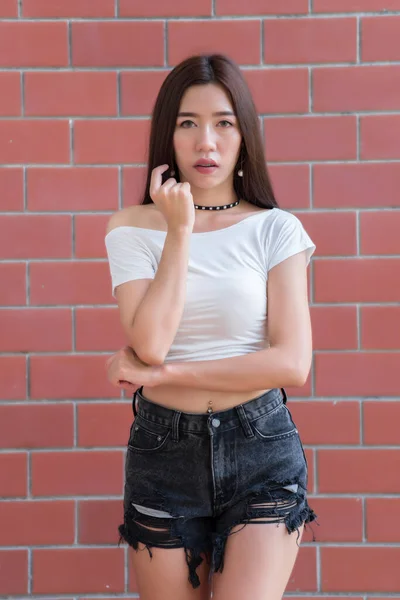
x=240, y=173
x=172, y=172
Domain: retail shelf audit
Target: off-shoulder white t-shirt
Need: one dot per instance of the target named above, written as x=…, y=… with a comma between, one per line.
x=226, y=297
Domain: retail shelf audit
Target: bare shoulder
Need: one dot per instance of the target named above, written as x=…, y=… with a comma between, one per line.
x=141, y=215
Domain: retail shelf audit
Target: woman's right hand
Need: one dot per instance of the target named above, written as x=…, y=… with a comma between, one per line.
x=173, y=199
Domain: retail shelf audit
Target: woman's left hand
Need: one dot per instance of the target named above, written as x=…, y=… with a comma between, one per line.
x=125, y=370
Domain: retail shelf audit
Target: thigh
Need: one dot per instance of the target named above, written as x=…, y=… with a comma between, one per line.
x=259, y=559
x=164, y=576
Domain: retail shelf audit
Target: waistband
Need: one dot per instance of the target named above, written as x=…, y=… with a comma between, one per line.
x=229, y=418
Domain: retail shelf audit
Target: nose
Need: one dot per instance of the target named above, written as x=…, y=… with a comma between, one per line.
x=206, y=141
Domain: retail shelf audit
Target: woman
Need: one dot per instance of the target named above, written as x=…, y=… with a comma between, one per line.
x=215, y=468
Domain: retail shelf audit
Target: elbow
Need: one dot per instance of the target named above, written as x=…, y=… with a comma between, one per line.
x=149, y=356
x=300, y=371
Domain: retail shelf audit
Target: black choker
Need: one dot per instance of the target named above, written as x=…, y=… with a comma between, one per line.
x=217, y=207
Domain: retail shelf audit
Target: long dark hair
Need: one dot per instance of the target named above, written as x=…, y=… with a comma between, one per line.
x=255, y=185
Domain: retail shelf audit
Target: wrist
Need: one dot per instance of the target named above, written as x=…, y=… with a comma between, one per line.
x=166, y=374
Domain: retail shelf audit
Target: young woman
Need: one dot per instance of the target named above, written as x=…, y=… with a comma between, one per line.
x=215, y=468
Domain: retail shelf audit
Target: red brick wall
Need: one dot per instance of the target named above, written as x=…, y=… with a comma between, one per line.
x=77, y=80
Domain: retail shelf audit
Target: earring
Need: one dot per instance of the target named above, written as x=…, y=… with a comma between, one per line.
x=240, y=173
x=172, y=172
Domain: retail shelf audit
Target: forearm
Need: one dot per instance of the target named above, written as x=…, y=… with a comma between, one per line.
x=159, y=314
x=265, y=369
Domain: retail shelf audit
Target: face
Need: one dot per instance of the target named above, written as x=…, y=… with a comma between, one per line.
x=207, y=132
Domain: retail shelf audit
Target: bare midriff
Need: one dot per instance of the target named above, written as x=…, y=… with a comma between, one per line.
x=197, y=400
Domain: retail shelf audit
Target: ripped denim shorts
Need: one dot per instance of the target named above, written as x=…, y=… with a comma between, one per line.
x=191, y=477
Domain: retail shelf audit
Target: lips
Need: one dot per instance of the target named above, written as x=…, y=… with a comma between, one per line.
x=206, y=162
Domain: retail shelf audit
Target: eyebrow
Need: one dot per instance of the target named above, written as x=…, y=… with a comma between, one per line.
x=222, y=113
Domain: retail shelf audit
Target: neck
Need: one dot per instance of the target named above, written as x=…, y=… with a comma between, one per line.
x=216, y=196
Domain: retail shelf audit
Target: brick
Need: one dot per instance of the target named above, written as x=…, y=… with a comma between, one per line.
x=379, y=232
x=358, y=471
x=303, y=391
x=72, y=189
x=360, y=569
x=90, y=231
x=77, y=473
x=379, y=137
x=279, y=91
x=34, y=141
x=66, y=283
x=354, y=5
x=335, y=233
x=13, y=475
x=361, y=374
x=380, y=40
x=92, y=512
x=89, y=337
x=291, y=184
x=118, y=44
x=260, y=7
x=380, y=327
x=13, y=288
x=383, y=523
x=22, y=330
x=334, y=327
x=32, y=523
x=240, y=40
x=381, y=423
x=356, y=88
x=339, y=520
x=27, y=44
x=71, y=93
x=9, y=9
x=356, y=185
x=327, y=422
x=68, y=8
x=12, y=377
x=104, y=424
x=73, y=376
x=356, y=280
x=174, y=8
x=36, y=426
x=139, y=91
x=304, y=575
x=133, y=185
x=10, y=98
x=15, y=564
x=310, y=138
x=39, y=236
x=310, y=40
x=78, y=570
x=111, y=141
x=11, y=185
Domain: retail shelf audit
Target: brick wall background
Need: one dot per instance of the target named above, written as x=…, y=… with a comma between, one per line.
x=77, y=80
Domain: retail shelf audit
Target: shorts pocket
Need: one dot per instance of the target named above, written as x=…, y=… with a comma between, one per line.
x=146, y=436
x=275, y=425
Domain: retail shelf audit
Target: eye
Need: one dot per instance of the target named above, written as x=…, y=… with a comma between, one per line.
x=186, y=124
x=226, y=123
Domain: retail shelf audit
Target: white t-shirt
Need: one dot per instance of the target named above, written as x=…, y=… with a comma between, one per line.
x=226, y=299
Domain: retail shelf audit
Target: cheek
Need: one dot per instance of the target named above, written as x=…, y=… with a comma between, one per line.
x=181, y=144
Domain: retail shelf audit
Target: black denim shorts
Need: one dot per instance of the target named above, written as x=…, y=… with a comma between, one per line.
x=191, y=477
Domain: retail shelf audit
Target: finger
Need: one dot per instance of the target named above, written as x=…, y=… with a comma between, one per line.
x=156, y=178
x=169, y=184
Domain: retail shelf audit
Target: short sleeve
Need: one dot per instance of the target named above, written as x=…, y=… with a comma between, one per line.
x=128, y=256
x=289, y=238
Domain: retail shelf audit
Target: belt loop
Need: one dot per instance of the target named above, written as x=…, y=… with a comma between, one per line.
x=244, y=421
x=134, y=404
x=175, y=425
x=284, y=395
